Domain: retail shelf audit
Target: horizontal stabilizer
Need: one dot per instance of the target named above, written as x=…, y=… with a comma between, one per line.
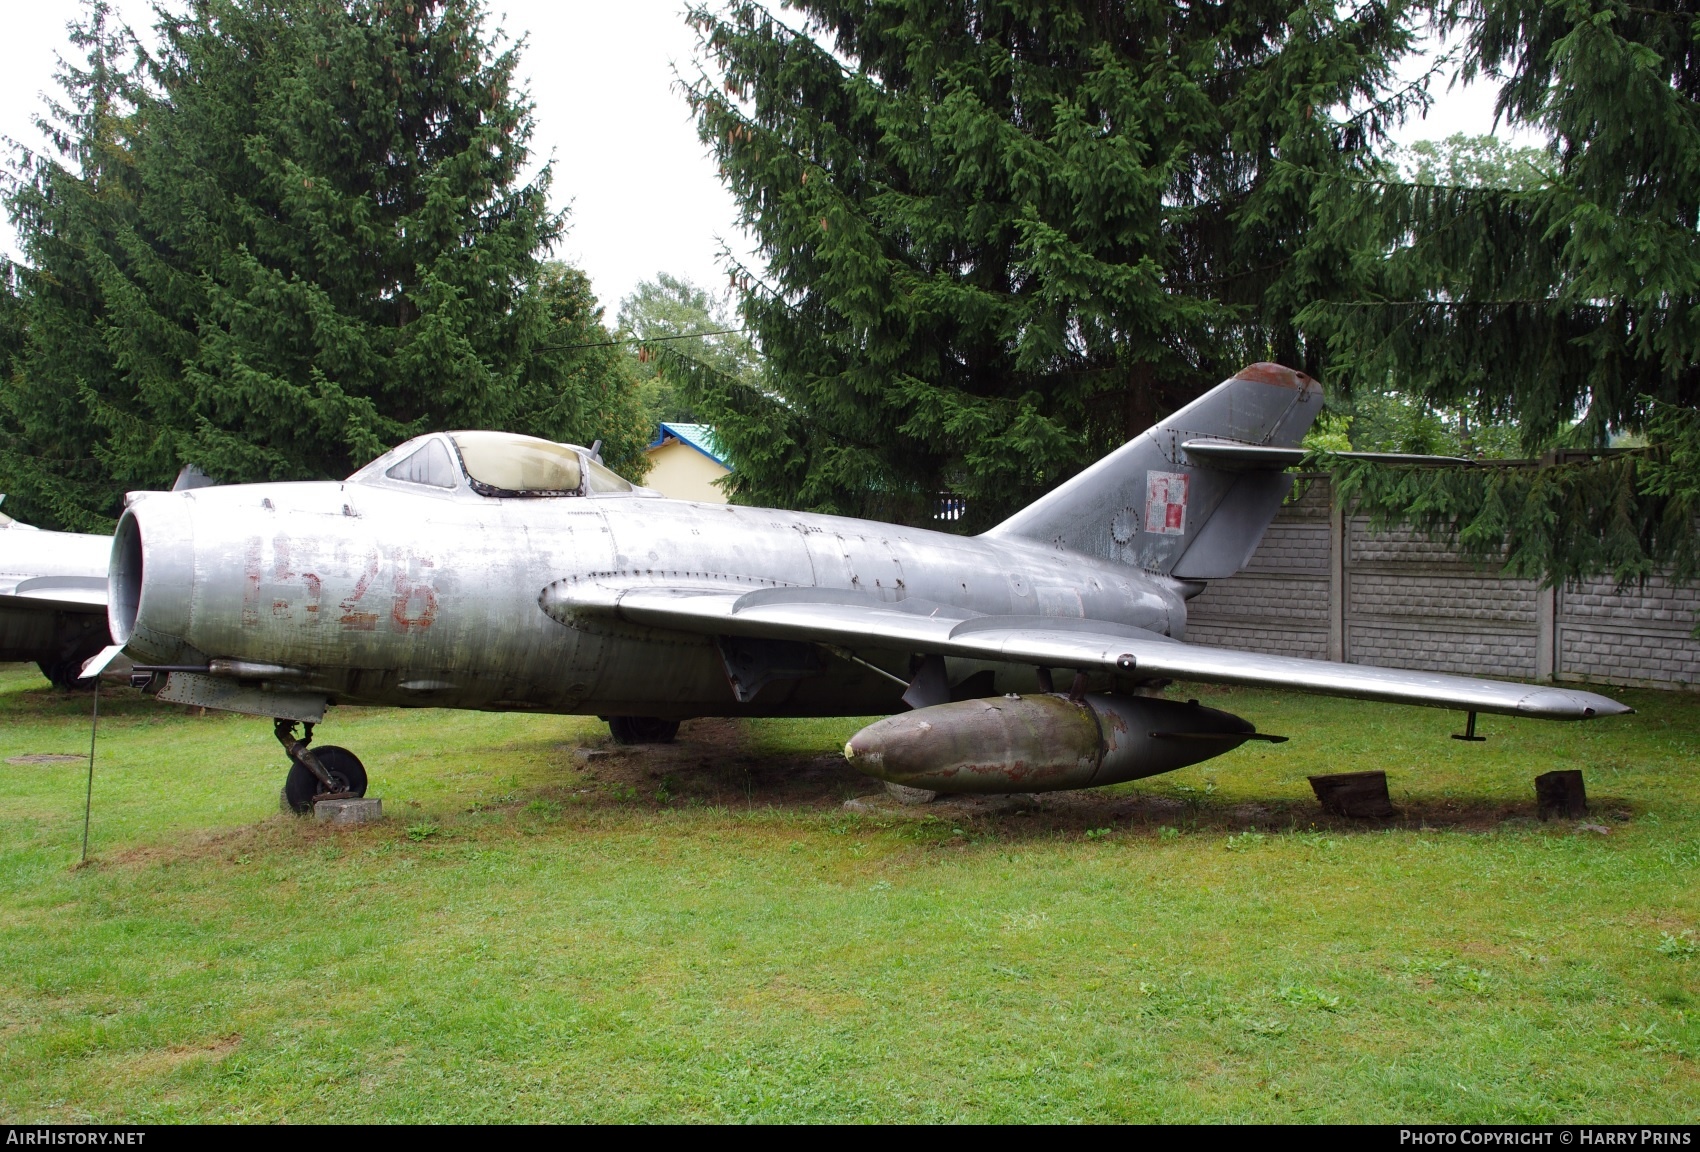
x=1230, y=456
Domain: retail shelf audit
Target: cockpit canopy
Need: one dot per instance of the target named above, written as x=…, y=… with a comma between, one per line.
x=430, y=464
x=502, y=464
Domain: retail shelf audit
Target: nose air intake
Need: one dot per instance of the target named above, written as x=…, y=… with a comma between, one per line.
x=124, y=580
x=150, y=578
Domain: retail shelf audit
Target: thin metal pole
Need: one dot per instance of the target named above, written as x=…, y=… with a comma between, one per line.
x=88, y=800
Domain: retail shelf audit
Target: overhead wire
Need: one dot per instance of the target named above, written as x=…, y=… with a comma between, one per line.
x=651, y=339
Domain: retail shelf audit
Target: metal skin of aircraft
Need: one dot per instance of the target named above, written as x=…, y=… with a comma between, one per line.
x=491, y=571
x=52, y=598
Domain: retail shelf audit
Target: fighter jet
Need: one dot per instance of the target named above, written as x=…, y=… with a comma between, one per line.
x=52, y=598
x=501, y=572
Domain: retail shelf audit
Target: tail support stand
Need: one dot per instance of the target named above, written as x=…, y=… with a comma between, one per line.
x=1469, y=732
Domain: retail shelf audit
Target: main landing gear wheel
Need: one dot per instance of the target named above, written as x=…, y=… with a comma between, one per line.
x=64, y=666
x=642, y=729
x=348, y=778
x=64, y=673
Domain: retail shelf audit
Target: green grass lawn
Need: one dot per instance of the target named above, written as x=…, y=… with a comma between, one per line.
x=704, y=932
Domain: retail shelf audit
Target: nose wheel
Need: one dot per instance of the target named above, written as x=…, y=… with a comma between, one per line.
x=326, y=773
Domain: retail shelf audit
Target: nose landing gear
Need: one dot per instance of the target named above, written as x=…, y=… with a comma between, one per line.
x=327, y=773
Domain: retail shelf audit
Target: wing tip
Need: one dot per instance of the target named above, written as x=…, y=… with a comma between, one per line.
x=1572, y=704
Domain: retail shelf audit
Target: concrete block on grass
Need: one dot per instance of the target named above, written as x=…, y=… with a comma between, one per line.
x=1358, y=795
x=359, y=810
x=1562, y=794
x=904, y=794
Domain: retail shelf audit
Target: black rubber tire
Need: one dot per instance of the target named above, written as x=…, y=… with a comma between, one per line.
x=301, y=786
x=63, y=673
x=81, y=638
x=642, y=729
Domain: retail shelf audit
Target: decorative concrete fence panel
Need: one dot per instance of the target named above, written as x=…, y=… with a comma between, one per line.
x=1324, y=585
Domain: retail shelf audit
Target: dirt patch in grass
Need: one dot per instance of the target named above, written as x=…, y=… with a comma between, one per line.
x=713, y=762
x=227, y=842
x=1143, y=813
x=154, y=1062
x=781, y=994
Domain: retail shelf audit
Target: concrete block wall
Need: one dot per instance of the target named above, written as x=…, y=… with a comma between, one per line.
x=1281, y=603
x=1325, y=585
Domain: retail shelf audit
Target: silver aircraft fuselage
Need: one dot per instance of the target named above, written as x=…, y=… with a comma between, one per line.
x=382, y=593
x=485, y=569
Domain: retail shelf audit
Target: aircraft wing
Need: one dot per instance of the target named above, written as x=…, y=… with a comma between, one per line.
x=55, y=593
x=851, y=620
x=52, y=571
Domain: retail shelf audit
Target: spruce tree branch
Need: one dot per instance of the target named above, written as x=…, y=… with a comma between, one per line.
x=791, y=35
x=772, y=293
x=1418, y=85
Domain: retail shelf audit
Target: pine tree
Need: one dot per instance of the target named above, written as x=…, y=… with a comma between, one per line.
x=73, y=214
x=1569, y=303
x=320, y=246
x=1002, y=236
x=1378, y=414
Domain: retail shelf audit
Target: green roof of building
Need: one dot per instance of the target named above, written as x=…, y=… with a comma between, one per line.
x=698, y=436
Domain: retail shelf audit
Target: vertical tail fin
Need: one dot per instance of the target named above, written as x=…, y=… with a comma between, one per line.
x=1149, y=505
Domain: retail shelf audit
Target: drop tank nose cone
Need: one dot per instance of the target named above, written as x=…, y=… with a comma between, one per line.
x=865, y=752
x=903, y=744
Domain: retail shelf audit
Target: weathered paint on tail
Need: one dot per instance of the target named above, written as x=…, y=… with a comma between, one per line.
x=1148, y=505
